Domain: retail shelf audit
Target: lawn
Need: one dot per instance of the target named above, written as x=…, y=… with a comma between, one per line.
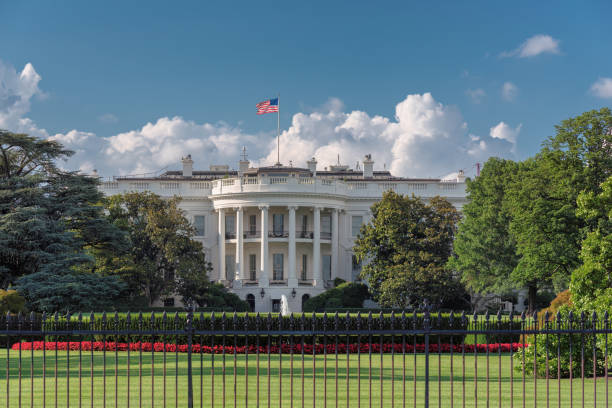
x=322, y=389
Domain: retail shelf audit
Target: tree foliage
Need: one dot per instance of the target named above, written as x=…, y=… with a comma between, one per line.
x=485, y=251
x=591, y=283
x=409, y=237
x=49, y=219
x=522, y=227
x=345, y=295
x=163, y=257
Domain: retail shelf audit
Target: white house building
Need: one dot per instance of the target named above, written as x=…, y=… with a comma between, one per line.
x=274, y=231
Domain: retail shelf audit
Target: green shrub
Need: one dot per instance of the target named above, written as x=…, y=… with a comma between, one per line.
x=540, y=344
x=248, y=321
x=11, y=301
x=347, y=294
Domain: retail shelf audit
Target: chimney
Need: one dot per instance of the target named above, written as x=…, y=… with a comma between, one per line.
x=312, y=166
x=460, y=177
x=368, y=166
x=187, y=166
x=243, y=164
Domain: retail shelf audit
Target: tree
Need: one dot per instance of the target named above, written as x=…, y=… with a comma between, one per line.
x=591, y=284
x=542, y=199
x=406, y=234
x=485, y=250
x=69, y=291
x=163, y=257
x=22, y=155
x=48, y=217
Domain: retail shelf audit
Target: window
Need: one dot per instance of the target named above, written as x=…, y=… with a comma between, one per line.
x=230, y=226
x=278, y=224
x=169, y=302
x=327, y=267
x=356, y=222
x=304, y=273
x=277, y=267
x=230, y=267
x=252, y=224
x=199, y=225
x=276, y=306
x=326, y=224
x=253, y=267
x=251, y=301
x=304, y=233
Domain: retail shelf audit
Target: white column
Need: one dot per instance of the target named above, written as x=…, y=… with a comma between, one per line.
x=239, y=245
x=334, y=244
x=316, y=248
x=221, y=231
x=264, y=278
x=292, y=281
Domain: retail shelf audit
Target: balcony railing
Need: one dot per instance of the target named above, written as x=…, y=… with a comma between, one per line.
x=252, y=234
x=326, y=235
x=278, y=234
x=304, y=234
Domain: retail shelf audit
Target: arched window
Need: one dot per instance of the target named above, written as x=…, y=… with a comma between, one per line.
x=251, y=301
x=305, y=297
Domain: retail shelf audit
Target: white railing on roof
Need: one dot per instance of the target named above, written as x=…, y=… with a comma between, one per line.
x=278, y=180
x=200, y=185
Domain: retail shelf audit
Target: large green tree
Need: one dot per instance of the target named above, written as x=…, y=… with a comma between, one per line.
x=406, y=241
x=48, y=218
x=591, y=284
x=163, y=258
x=543, y=195
x=484, y=249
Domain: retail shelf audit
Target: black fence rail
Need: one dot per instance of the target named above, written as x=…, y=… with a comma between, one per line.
x=323, y=360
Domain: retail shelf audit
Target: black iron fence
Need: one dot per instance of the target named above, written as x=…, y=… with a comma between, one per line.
x=324, y=360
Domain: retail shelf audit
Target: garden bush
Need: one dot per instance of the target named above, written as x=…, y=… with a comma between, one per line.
x=556, y=347
x=347, y=294
x=11, y=302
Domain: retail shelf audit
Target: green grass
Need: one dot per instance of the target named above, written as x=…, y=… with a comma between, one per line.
x=150, y=388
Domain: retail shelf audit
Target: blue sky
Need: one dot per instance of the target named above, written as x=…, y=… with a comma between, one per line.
x=104, y=70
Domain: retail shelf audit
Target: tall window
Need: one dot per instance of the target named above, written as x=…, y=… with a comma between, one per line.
x=356, y=222
x=277, y=267
x=230, y=267
x=252, y=224
x=200, y=225
x=326, y=267
x=253, y=267
x=304, y=226
x=278, y=226
x=230, y=226
x=326, y=224
x=304, y=272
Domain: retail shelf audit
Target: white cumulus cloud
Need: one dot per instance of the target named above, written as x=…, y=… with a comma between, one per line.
x=602, y=88
x=509, y=91
x=503, y=131
x=536, y=45
x=425, y=138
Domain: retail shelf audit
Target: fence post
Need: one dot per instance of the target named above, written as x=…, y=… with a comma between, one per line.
x=426, y=327
x=189, y=330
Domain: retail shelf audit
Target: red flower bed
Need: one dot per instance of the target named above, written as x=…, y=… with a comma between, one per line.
x=274, y=349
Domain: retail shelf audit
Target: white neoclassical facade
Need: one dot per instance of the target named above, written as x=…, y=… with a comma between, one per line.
x=274, y=231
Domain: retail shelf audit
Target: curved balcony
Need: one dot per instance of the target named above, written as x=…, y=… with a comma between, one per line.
x=372, y=188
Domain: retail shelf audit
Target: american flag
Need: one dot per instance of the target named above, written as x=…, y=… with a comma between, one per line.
x=269, y=106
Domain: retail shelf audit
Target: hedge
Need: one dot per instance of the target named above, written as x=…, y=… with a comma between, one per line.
x=250, y=321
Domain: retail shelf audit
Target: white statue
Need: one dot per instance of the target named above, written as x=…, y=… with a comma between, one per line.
x=284, y=309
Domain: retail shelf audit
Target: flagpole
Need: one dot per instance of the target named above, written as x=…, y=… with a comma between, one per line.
x=278, y=132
